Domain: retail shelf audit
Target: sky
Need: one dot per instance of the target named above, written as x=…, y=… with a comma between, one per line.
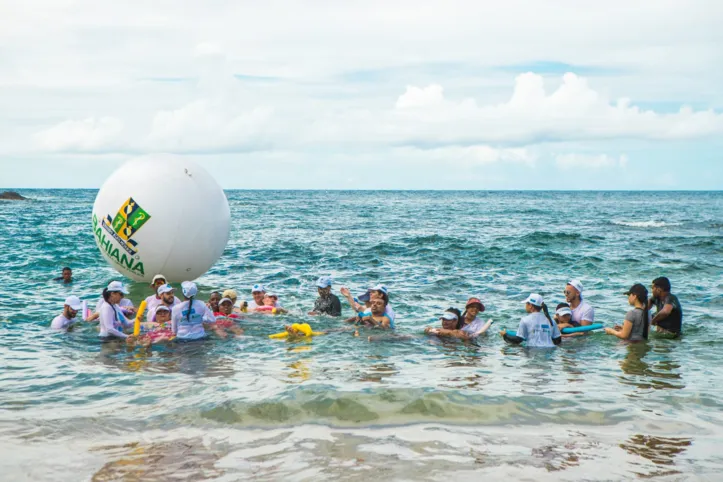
x=621, y=94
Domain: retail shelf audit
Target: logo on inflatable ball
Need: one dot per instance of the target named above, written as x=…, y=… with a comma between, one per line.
x=161, y=215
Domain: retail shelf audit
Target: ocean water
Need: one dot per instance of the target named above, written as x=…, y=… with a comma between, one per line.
x=341, y=408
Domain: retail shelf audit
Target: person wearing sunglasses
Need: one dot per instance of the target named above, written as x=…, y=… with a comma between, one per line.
x=583, y=313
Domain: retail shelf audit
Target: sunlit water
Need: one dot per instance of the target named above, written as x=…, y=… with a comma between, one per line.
x=341, y=408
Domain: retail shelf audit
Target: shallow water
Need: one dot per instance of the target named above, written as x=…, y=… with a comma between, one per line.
x=338, y=407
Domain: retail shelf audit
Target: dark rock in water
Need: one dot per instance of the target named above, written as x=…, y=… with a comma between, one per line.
x=12, y=196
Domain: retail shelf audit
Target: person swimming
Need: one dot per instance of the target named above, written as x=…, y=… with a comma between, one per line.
x=536, y=329
x=378, y=317
x=159, y=330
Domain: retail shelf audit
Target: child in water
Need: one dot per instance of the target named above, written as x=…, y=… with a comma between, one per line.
x=270, y=305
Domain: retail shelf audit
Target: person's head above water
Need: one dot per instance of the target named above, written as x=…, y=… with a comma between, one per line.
x=258, y=291
x=158, y=280
x=472, y=308
x=639, y=292
x=449, y=320
x=71, y=307
x=214, y=299
x=533, y=303
x=114, y=292
x=166, y=293
x=270, y=299
x=660, y=287
x=225, y=306
x=573, y=291
x=563, y=313
x=163, y=315
x=67, y=275
x=378, y=306
x=189, y=289
x=323, y=286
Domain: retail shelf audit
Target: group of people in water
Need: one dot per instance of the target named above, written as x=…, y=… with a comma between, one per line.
x=169, y=318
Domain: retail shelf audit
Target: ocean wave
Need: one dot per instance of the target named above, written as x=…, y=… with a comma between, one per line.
x=644, y=224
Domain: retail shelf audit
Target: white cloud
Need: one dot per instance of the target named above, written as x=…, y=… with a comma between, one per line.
x=574, y=111
x=469, y=156
x=207, y=126
x=420, y=97
x=591, y=161
x=90, y=134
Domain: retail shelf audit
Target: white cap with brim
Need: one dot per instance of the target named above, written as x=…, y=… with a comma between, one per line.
x=564, y=311
x=449, y=316
x=117, y=286
x=381, y=288
x=73, y=302
x=258, y=289
x=224, y=300
x=157, y=277
x=165, y=289
x=162, y=308
x=323, y=282
x=534, y=299
x=575, y=283
x=189, y=289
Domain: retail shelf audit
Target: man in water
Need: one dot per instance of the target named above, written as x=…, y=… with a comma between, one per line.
x=258, y=292
x=70, y=310
x=582, y=313
x=153, y=301
x=67, y=276
x=168, y=299
x=669, y=316
x=378, y=317
x=327, y=303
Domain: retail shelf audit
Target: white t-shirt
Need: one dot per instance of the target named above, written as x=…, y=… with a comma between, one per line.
x=583, y=312
x=537, y=331
x=60, y=322
x=152, y=302
x=112, y=321
x=189, y=326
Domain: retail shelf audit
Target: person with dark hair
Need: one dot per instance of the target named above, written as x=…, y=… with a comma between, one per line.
x=155, y=300
x=469, y=326
x=582, y=313
x=188, y=317
x=536, y=329
x=637, y=320
x=213, y=302
x=668, y=317
x=451, y=320
x=112, y=319
x=70, y=310
x=327, y=303
x=66, y=276
x=563, y=316
x=378, y=317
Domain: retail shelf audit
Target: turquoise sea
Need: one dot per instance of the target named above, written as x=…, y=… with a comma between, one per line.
x=340, y=408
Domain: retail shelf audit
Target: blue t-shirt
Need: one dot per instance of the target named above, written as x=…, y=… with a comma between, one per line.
x=537, y=331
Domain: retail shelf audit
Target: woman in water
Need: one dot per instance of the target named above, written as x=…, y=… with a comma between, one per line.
x=187, y=318
x=112, y=319
x=469, y=326
x=536, y=329
x=637, y=321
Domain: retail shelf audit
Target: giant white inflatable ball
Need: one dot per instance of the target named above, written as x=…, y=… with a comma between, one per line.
x=161, y=214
